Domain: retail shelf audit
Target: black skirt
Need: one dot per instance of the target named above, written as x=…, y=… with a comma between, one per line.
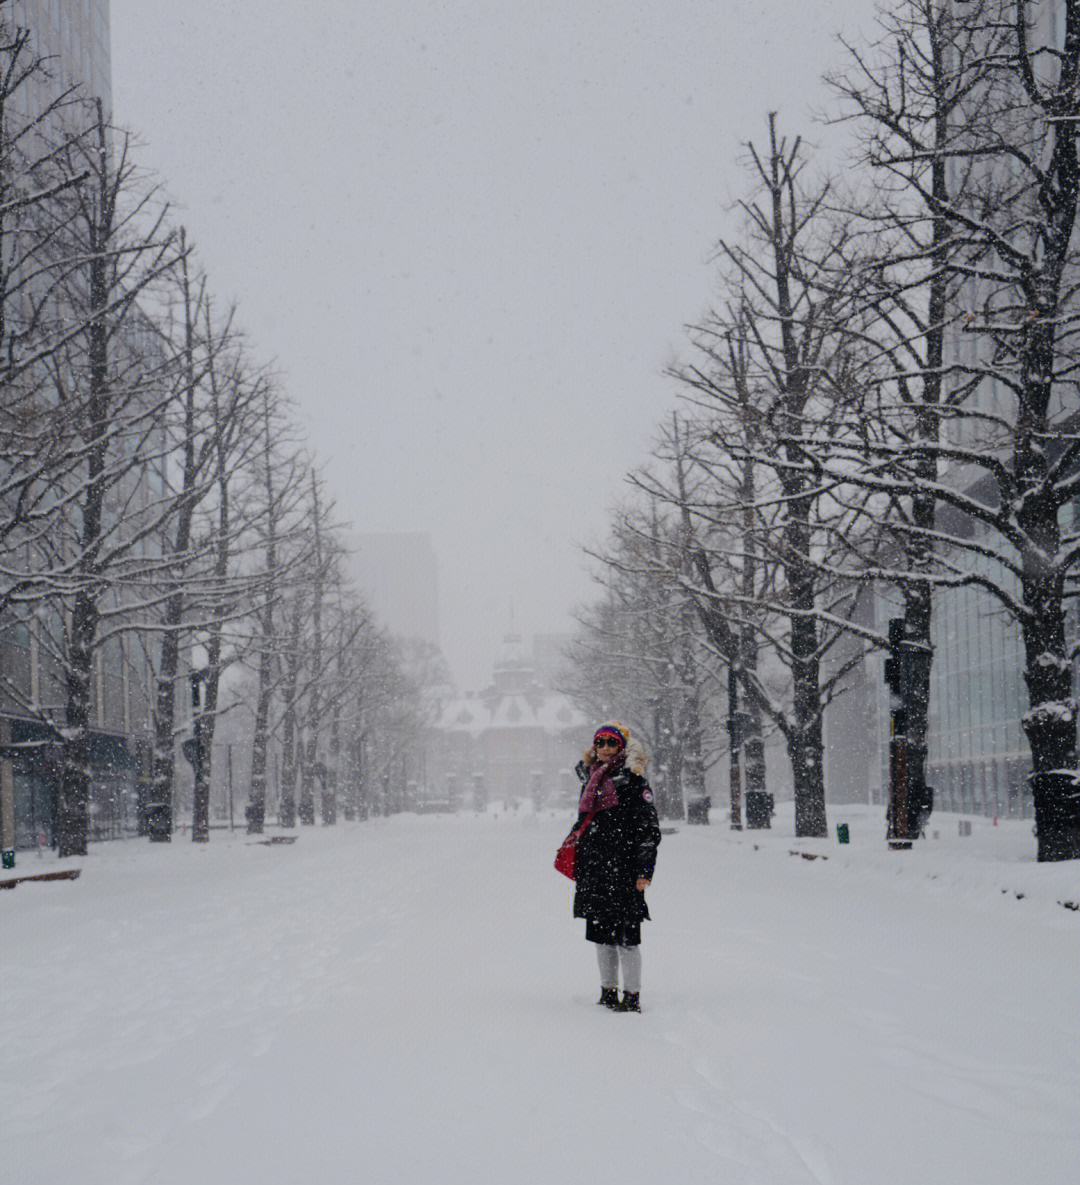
x=612, y=933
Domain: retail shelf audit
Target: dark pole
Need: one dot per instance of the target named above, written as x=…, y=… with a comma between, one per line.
x=228, y=750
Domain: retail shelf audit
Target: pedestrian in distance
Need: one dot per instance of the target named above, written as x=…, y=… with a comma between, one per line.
x=615, y=858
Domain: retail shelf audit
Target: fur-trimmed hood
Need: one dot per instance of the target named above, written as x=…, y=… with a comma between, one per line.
x=635, y=762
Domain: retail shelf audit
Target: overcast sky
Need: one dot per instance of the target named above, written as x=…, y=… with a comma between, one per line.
x=470, y=234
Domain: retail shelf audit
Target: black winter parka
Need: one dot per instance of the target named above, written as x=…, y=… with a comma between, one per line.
x=618, y=847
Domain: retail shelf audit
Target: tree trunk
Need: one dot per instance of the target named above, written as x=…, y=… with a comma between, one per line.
x=693, y=782
x=73, y=808
x=200, y=799
x=207, y=724
x=753, y=745
x=805, y=742
x=160, y=819
x=735, y=779
x=73, y=804
x=255, y=811
x=330, y=785
x=205, y=727
x=805, y=745
x=330, y=788
x=164, y=770
x=287, y=797
x=1050, y=722
x=918, y=597
x=310, y=755
x=916, y=686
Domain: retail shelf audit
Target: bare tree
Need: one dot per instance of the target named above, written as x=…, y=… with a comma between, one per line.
x=349, y=634
x=715, y=492
x=306, y=666
x=392, y=718
x=291, y=658
x=638, y=656
x=973, y=118
x=769, y=370
x=377, y=685
x=107, y=381
x=283, y=482
x=314, y=655
x=237, y=396
x=195, y=426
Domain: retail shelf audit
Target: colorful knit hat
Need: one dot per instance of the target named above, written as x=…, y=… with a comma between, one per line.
x=613, y=728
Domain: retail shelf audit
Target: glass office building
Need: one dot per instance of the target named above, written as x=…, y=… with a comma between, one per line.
x=978, y=758
x=74, y=34
x=73, y=37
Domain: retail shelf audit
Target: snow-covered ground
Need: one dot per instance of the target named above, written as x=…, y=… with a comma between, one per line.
x=408, y=1000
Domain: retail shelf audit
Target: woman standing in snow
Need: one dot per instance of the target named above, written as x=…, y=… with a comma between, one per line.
x=615, y=859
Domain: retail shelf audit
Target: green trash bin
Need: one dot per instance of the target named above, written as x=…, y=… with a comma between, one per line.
x=842, y=833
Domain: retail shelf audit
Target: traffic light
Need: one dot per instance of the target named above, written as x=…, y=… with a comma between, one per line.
x=190, y=750
x=907, y=667
x=894, y=663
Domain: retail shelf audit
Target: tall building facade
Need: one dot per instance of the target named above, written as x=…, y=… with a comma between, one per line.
x=978, y=758
x=978, y=755
x=74, y=38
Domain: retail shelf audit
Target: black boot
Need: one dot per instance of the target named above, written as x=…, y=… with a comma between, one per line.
x=609, y=997
x=631, y=1002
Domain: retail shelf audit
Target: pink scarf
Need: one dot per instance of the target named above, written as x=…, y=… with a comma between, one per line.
x=600, y=792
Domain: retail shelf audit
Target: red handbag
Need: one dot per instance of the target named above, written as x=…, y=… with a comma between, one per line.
x=567, y=853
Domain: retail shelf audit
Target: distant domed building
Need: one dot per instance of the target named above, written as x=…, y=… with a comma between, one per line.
x=514, y=740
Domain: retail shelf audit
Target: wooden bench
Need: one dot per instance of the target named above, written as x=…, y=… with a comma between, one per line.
x=64, y=874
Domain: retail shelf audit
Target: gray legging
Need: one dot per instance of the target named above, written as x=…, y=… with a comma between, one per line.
x=609, y=958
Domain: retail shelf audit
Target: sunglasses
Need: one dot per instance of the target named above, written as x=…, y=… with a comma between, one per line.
x=606, y=743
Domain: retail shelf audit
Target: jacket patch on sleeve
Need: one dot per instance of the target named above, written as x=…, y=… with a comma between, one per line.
x=647, y=794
